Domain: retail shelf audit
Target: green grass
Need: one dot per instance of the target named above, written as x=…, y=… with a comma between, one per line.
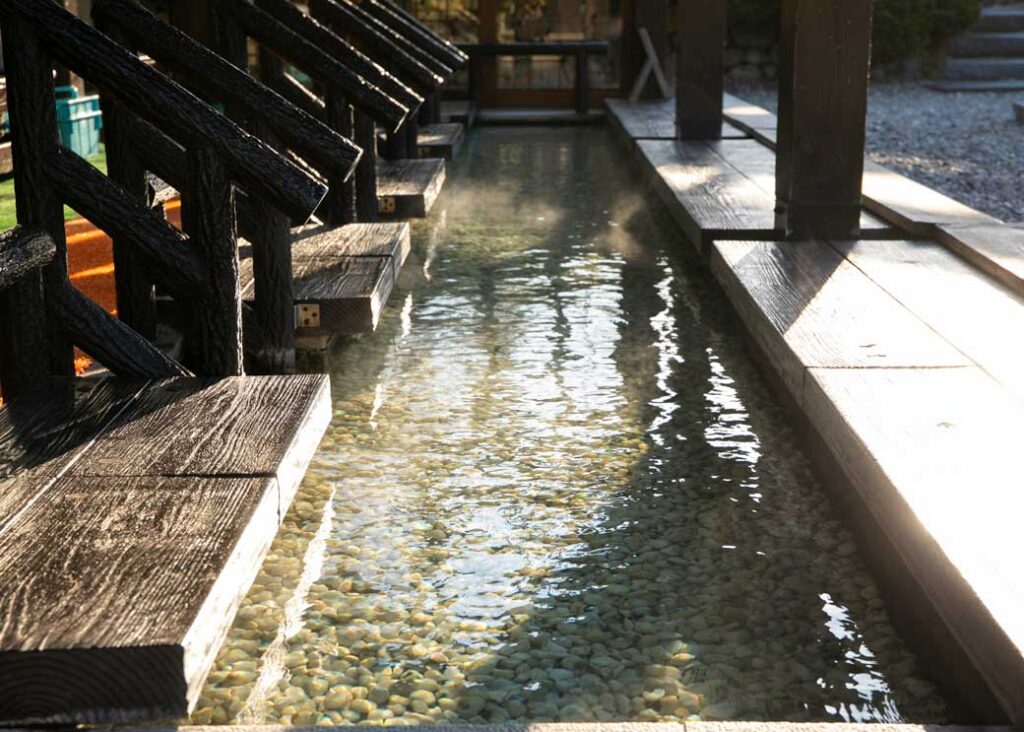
x=8, y=217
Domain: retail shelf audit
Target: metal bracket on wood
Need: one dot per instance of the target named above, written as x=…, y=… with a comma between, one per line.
x=651, y=65
x=387, y=205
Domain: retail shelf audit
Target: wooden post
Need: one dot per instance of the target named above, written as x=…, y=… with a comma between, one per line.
x=366, y=170
x=582, y=83
x=700, y=69
x=208, y=214
x=339, y=206
x=136, y=296
x=411, y=130
x=825, y=49
x=33, y=345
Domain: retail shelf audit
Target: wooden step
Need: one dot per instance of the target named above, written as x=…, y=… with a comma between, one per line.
x=341, y=276
x=441, y=140
x=988, y=44
x=135, y=516
x=459, y=110
x=407, y=189
x=984, y=69
x=653, y=120
x=722, y=190
x=1000, y=20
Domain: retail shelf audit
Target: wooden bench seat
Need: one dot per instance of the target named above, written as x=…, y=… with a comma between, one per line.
x=724, y=189
x=442, y=140
x=341, y=276
x=135, y=516
x=407, y=189
x=653, y=120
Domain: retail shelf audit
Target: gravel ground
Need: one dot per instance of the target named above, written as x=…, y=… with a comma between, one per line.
x=966, y=145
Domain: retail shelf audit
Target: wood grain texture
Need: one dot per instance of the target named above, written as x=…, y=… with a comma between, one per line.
x=206, y=427
x=153, y=96
x=23, y=250
x=416, y=68
x=135, y=575
x=175, y=50
x=654, y=120
x=807, y=307
x=440, y=140
x=996, y=249
x=32, y=346
x=366, y=172
x=408, y=25
x=951, y=297
x=360, y=89
x=912, y=206
x=824, y=51
x=933, y=454
x=411, y=185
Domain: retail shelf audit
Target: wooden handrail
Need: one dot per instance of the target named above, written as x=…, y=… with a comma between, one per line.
x=153, y=96
x=365, y=84
x=177, y=51
x=395, y=17
x=23, y=250
x=345, y=17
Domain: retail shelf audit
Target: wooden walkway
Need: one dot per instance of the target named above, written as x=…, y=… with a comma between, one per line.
x=895, y=352
x=442, y=140
x=341, y=276
x=93, y=473
x=653, y=120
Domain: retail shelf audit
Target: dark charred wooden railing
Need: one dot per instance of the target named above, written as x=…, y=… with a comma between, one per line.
x=578, y=50
x=267, y=115
x=358, y=92
x=43, y=313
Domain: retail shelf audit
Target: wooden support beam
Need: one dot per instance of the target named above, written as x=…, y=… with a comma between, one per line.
x=153, y=96
x=208, y=216
x=32, y=344
x=340, y=205
x=22, y=251
x=700, y=69
x=111, y=342
x=136, y=295
x=362, y=81
x=366, y=171
x=288, y=87
x=395, y=17
x=226, y=79
x=825, y=48
x=421, y=68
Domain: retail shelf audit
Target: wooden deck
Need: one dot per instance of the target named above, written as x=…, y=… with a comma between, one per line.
x=653, y=120
x=341, y=276
x=722, y=189
x=895, y=352
x=442, y=140
x=407, y=189
x=133, y=518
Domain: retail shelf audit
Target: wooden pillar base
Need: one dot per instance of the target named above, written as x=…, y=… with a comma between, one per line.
x=825, y=221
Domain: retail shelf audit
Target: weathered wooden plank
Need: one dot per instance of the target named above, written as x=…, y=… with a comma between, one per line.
x=761, y=124
x=356, y=240
x=110, y=596
x=807, y=307
x=408, y=188
x=44, y=430
x=914, y=207
x=23, y=250
x=248, y=426
x=153, y=96
x=441, y=140
x=955, y=300
x=700, y=69
x=409, y=26
x=654, y=120
x=933, y=455
x=824, y=50
x=996, y=249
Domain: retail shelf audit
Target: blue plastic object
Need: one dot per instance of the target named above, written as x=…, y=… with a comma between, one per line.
x=79, y=120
